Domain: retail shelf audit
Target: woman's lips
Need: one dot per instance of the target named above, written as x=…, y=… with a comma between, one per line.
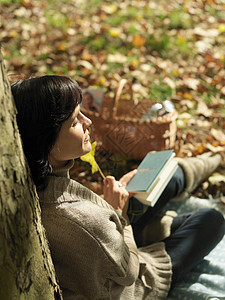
x=87, y=139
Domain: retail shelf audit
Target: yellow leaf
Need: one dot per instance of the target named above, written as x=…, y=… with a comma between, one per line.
x=134, y=62
x=221, y=28
x=13, y=33
x=187, y=95
x=109, y=9
x=201, y=148
x=175, y=73
x=115, y=32
x=86, y=56
x=138, y=41
x=62, y=46
x=101, y=80
x=90, y=158
x=222, y=57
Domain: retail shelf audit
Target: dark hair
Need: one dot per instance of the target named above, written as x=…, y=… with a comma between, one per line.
x=43, y=104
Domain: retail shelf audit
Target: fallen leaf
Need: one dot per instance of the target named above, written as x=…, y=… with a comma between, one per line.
x=202, y=109
x=221, y=28
x=86, y=64
x=138, y=41
x=192, y=83
x=218, y=134
x=90, y=158
x=170, y=83
x=117, y=58
x=214, y=149
x=115, y=32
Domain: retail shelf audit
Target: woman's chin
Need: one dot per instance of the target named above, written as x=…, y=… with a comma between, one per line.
x=87, y=148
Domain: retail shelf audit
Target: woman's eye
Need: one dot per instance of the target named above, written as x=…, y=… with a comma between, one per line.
x=75, y=123
x=77, y=120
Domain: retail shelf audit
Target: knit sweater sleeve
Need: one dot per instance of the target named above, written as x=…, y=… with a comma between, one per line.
x=133, y=264
x=89, y=240
x=116, y=243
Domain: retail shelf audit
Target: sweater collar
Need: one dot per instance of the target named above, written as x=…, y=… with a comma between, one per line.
x=63, y=171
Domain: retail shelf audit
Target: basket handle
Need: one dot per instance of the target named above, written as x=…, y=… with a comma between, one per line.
x=118, y=94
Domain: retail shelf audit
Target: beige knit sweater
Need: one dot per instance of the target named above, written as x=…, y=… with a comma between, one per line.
x=93, y=250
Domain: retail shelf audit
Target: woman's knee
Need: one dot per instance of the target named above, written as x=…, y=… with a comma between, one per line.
x=211, y=214
x=218, y=219
x=214, y=221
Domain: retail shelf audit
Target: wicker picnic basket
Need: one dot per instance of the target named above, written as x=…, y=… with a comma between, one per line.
x=118, y=128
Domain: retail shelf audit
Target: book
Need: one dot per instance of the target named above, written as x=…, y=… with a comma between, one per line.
x=153, y=174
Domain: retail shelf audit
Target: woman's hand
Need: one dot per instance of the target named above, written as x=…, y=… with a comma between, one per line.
x=115, y=192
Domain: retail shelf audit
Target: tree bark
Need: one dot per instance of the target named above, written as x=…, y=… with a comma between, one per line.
x=26, y=268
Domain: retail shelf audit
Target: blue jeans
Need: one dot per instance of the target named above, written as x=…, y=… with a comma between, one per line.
x=192, y=236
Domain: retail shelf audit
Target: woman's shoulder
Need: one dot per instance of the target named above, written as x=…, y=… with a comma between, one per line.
x=63, y=189
x=72, y=200
x=79, y=212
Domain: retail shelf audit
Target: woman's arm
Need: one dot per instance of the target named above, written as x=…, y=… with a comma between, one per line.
x=133, y=264
x=95, y=240
x=118, y=197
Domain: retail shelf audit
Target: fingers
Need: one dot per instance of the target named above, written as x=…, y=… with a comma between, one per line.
x=110, y=182
x=110, y=185
x=127, y=177
x=119, y=184
x=114, y=194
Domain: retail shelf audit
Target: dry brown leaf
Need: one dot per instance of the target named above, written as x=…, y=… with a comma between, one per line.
x=214, y=149
x=203, y=109
x=138, y=41
x=218, y=135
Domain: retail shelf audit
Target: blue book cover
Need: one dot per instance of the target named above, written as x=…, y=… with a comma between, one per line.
x=148, y=171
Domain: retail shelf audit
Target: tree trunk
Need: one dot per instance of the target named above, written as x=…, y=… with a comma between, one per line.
x=26, y=268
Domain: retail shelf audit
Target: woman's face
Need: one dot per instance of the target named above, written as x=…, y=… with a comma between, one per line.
x=73, y=139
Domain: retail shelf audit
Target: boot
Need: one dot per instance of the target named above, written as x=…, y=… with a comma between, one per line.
x=197, y=169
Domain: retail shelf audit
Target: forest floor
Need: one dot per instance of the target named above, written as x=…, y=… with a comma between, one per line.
x=172, y=50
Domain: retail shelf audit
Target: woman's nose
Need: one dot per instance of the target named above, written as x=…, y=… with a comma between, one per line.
x=86, y=122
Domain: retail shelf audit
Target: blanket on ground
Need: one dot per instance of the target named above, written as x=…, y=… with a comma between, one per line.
x=207, y=279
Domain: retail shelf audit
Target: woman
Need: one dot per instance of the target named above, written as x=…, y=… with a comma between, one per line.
x=91, y=241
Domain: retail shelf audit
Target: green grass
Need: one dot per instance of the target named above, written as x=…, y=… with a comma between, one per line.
x=132, y=29
x=179, y=19
x=90, y=6
x=116, y=19
x=159, y=41
x=95, y=42
x=56, y=19
x=8, y=2
x=159, y=92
